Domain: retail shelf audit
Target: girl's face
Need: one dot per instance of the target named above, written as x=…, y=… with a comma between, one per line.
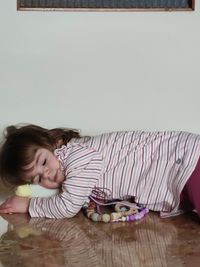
x=45, y=170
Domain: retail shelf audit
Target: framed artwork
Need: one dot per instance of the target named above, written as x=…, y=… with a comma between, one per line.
x=106, y=5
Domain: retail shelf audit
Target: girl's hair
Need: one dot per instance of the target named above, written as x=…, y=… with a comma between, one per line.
x=21, y=144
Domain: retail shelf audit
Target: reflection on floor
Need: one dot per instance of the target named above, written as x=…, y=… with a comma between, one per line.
x=152, y=242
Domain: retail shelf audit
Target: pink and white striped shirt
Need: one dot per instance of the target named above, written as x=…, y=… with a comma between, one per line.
x=151, y=166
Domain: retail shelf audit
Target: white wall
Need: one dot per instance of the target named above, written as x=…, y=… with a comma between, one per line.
x=100, y=71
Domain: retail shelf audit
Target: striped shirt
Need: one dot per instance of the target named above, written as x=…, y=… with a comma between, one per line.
x=151, y=166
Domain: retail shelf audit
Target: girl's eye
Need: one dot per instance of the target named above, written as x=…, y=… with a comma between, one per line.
x=44, y=162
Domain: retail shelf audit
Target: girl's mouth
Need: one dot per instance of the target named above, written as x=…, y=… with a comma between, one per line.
x=53, y=178
x=56, y=176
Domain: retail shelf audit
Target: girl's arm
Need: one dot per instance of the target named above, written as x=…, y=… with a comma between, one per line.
x=15, y=204
x=20, y=202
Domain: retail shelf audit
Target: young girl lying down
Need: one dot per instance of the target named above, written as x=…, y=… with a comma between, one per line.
x=161, y=170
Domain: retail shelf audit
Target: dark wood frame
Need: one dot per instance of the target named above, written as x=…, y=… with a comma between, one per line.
x=191, y=8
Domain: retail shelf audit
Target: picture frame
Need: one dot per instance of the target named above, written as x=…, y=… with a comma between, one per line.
x=106, y=5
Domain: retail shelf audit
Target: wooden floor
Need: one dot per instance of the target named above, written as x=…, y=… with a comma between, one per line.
x=79, y=242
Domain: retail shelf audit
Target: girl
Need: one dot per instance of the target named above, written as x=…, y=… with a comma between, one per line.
x=161, y=170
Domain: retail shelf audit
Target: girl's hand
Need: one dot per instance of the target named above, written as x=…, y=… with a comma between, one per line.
x=15, y=204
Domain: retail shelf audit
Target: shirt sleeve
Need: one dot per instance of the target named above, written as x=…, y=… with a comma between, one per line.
x=83, y=168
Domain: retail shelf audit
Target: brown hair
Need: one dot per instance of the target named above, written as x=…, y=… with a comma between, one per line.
x=21, y=144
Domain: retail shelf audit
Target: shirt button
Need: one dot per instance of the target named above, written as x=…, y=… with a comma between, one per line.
x=178, y=161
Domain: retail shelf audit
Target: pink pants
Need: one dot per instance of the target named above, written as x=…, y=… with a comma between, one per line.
x=191, y=191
